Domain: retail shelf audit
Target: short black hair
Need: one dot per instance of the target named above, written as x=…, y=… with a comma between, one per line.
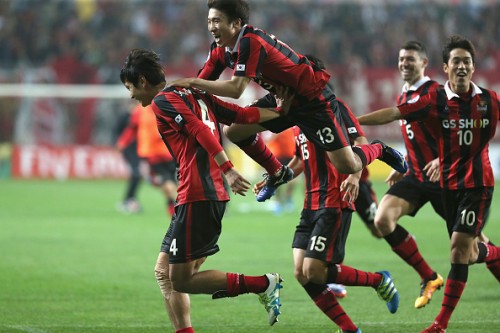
x=316, y=60
x=458, y=42
x=142, y=62
x=415, y=46
x=233, y=9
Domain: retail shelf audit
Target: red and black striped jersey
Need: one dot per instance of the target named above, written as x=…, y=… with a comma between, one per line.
x=463, y=127
x=354, y=130
x=269, y=62
x=322, y=180
x=182, y=114
x=421, y=145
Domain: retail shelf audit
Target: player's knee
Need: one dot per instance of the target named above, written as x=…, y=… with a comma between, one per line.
x=299, y=275
x=314, y=275
x=348, y=166
x=163, y=281
x=384, y=225
x=376, y=232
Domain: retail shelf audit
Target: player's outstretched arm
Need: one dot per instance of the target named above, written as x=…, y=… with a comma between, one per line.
x=380, y=117
x=233, y=88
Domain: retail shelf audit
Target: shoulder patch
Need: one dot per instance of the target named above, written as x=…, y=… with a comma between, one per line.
x=179, y=119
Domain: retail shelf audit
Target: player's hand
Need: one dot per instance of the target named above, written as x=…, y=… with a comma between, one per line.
x=394, y=177
x=239, y=185
x=258, y=186
x=350, y=187
x=184, y=83
x=284, y=98
x=432, y=170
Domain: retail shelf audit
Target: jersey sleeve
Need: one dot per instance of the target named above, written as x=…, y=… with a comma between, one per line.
x=351, y=123
x=250, y=56
x=418, y=107
x=214, y=65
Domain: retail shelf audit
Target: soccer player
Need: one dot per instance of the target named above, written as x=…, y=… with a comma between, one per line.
x=365, y=199
x=463, y=118
x=319, y=241
x=189, y=122
x=408, y=193
x=255, y=55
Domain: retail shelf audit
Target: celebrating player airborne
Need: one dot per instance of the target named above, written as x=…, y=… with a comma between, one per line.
x=255, y=55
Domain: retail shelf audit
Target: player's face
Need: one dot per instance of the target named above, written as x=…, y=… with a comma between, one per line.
x=459, y=68
x=139, y=93
x=224, y=32
x=411, y=65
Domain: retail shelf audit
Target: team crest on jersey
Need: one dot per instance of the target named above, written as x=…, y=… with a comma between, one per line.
x=482, y=106
x=240, y=67
x=414, y=99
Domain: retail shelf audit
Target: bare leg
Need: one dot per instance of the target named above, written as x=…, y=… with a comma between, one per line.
x=177, y=304
x=345, y=160
x=185, y=279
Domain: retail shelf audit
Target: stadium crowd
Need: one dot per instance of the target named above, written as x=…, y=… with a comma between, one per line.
x=93, y=36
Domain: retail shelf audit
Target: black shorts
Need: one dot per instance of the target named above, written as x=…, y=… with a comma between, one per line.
x=366, y=203
x=194, y=231
x=162, y=172
x=467, y=210
x=320, y=120
x=418, y=194
x=323, y=233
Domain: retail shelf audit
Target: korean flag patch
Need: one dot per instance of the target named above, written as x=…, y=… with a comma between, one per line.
x=179, y=120
x=240, y=67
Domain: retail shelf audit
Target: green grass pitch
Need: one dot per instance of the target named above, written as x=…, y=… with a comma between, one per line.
x=71, y=263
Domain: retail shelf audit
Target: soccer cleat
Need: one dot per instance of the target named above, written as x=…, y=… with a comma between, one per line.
x=341, y=331
x=338, y=290
x=392, y=157
x=273, y=182
x=427, y=288
x=388, y=292
x=434, y=328
x=271, y=297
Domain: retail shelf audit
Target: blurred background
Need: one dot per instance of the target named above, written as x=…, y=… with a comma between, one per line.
x=60, y=93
